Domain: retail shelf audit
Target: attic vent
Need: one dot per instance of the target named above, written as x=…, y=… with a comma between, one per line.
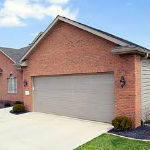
x=1, y=71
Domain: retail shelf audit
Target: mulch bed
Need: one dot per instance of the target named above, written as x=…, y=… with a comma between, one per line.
x=142, y=132
x=11, y=111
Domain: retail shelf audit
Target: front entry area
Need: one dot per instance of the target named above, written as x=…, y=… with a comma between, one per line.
x=87, y=96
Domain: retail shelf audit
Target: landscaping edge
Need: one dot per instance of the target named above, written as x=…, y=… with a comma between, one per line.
x=128, y=137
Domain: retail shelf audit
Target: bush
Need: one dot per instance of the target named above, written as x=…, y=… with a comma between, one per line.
x=18, y=108
x=7, y=105
x=147, y=122
x=18, y=102
x=122, y=123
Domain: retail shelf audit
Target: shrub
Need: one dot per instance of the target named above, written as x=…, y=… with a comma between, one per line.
x=18, y=102
x=7, y=105
x=18, y=108
x=122, y=123
x=147, y=122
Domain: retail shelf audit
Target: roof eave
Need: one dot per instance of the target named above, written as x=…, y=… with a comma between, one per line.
x=76, y=24
x=39, y=39
x=122, y=51
x=93, y=31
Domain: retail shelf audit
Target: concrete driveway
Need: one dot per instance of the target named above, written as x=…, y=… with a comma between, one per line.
x=39, y=131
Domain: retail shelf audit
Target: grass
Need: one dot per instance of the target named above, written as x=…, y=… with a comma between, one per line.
x=111, y=142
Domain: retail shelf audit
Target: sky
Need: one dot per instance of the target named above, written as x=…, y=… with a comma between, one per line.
x=22, y=20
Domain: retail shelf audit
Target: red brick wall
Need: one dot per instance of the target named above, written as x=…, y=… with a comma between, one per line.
x=8, y=67
x=69, y=50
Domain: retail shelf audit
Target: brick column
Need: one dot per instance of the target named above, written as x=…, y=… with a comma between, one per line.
x=128, y=98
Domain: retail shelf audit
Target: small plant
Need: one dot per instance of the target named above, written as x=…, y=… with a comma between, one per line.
x=147, y=122
x=18, y=108
x=122, y=123
x=7, y=105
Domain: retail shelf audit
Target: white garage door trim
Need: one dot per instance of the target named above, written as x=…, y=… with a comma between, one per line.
x=84, y=96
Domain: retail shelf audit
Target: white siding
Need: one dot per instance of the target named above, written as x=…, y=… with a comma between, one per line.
x=145, y=88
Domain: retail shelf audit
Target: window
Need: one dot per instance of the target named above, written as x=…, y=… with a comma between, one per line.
x=12, y=84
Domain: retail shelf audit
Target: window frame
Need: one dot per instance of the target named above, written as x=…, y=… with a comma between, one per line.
x=12, y=85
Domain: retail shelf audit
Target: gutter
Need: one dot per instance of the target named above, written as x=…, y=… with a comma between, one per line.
x=131, y=50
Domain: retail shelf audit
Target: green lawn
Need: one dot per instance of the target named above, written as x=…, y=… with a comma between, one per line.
x=111, y=142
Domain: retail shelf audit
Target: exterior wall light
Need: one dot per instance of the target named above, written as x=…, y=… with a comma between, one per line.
x=122, y=81
x=1, y=71
x=25, y=82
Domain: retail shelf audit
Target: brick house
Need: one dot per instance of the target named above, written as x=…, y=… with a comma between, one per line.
x=75, y=70
x=10, y=72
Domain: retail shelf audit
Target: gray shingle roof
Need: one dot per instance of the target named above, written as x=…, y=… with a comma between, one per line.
x=15, y=54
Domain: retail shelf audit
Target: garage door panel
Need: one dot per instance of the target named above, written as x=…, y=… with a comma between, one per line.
x=81, y=96
x=64, y=98
x=98, y=115
x=75, y=97
x=78, y=105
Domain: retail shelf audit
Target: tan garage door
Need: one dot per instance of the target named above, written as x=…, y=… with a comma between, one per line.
x=88, y=97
